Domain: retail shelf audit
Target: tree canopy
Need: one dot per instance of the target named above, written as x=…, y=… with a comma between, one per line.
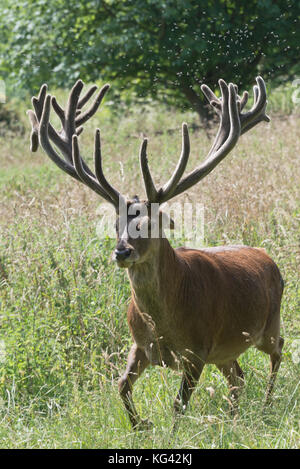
x=159, y=49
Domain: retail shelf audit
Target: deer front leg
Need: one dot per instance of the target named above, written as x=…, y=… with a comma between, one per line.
x=235, y=377
x=136, y=364
x=190, y=377
x=189, y=381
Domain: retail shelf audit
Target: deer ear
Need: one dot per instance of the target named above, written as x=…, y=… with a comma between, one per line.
x=165, y=221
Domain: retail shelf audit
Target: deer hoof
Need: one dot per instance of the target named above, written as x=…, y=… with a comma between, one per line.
x=143, y=424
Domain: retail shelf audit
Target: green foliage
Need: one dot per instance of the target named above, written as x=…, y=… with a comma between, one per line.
x=55, y=341
x=10, y=121
x=163, y=50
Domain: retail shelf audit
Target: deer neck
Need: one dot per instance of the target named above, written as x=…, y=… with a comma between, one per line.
x=151, y=281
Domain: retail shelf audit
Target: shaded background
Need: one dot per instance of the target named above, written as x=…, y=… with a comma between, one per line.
x=156, y=49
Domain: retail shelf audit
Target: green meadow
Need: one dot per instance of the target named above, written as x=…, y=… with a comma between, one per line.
x=63, y=330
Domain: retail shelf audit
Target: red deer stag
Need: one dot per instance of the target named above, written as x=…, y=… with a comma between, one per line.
x=188, y=307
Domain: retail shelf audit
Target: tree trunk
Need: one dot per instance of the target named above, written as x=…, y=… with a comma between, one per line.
x=199, y=106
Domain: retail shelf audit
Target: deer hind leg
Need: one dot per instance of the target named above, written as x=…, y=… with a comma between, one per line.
x=275, y=353
x=272, y=343
x=136, y=364
x=235, y=377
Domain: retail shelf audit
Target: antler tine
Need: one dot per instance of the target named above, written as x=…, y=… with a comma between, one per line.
x=34, y=136
x=82, y=101
x=46, y=145
x=211, y=97
x=59, y=111
x=86, y=178
x=257, y=112
x=109, y=189
x=82, y=118
x=244, y=100
x=152, y=193
x=223, y=112
x=70, y=113
x=235, y=127
x=38, y=103
x=167, y=190
x=221, y=107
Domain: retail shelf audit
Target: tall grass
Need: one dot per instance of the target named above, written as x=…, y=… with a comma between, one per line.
x=64, y=337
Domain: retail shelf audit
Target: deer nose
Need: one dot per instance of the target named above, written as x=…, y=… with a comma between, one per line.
x=122, y=254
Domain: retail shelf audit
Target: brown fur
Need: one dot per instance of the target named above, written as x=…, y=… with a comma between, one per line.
x=191, y=307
